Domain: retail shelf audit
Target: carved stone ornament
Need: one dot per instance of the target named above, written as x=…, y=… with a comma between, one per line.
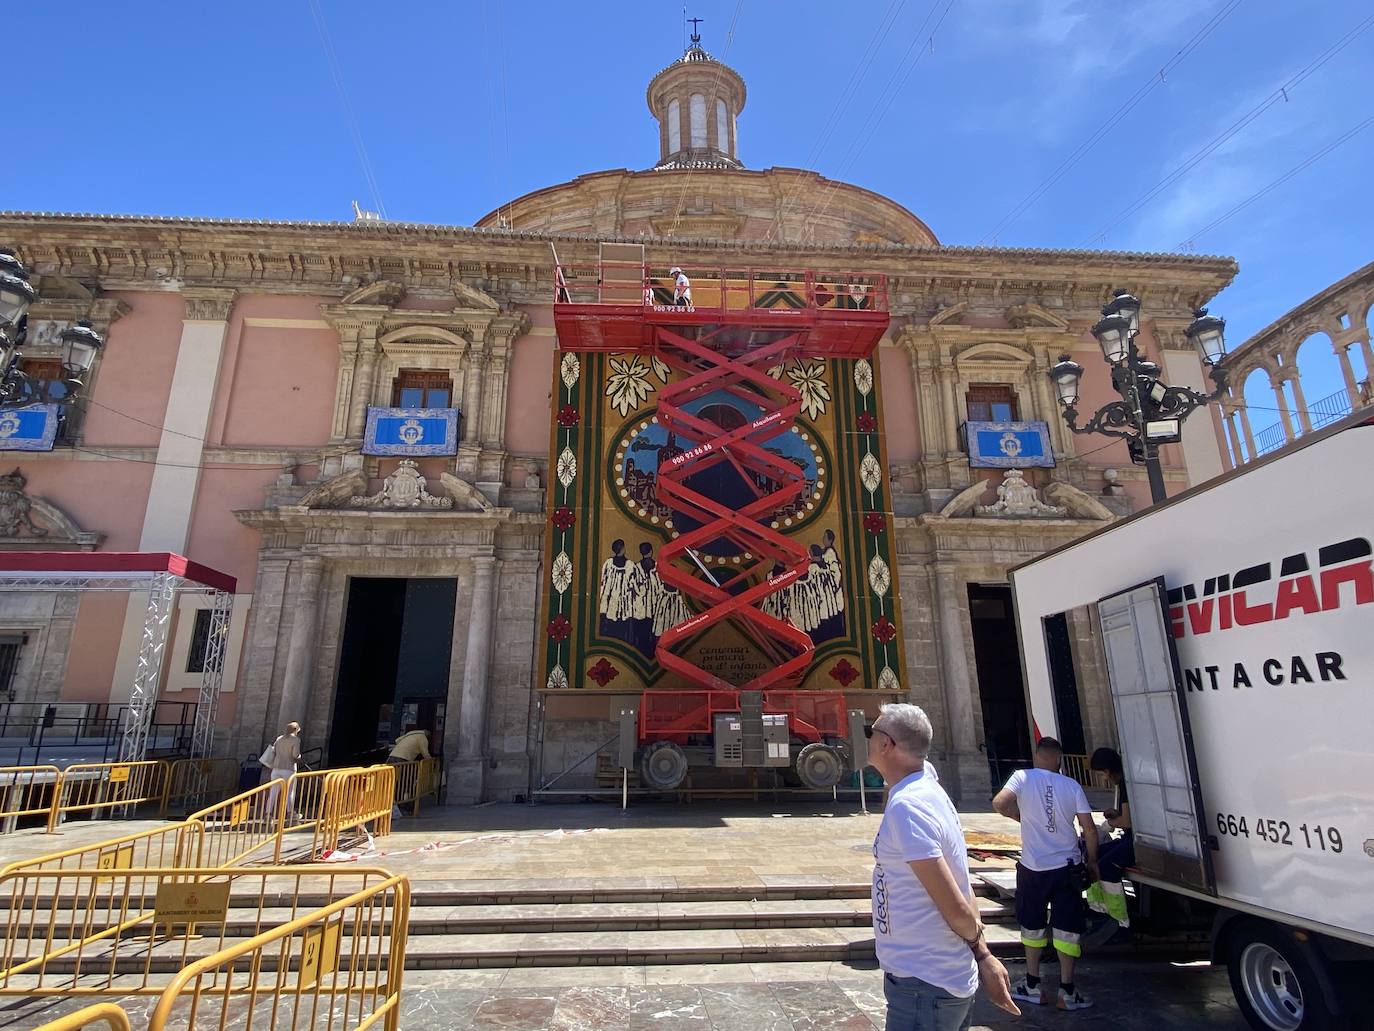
x=207, y=304
x=16, y=507
x=1017, y=499
x=53, y=530
x=405, y=488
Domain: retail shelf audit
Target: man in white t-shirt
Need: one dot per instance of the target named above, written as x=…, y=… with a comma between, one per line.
x=682, y=287
x=925, y=920
x=1049, y=877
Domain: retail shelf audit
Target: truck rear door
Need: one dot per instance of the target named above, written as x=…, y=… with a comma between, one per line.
x=1171, y=842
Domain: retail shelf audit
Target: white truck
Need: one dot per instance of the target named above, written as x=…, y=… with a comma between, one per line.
x=1234, y=628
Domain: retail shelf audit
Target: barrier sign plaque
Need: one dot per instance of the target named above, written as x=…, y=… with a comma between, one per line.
x=189, y=902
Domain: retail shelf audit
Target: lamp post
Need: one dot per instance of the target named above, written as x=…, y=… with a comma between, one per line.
x=80, y=346
x=1150, y=412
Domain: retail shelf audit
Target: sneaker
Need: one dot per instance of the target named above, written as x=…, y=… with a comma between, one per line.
x=1076, y=1001
x=1022, y=992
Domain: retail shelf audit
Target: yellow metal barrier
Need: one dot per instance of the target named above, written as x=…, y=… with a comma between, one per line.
x=415, y=780
x=198, y=781
x=173, y=845
x=354, y=798
x=105, y=1013
x=120, y=932
x=339, y=967
x=91, y=787
x=1076, y=766
x=305, y=797
x=28, y=791
x=243, y=827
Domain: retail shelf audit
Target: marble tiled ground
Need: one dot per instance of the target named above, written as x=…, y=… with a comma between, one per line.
x=1130, y=996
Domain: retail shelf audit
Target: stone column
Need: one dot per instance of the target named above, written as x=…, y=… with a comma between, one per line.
x=1304, y=416
x=951, y=408
x=1237, y=455
x=1352, y=388
x=364, y=379
x=1285, y=420
x=260, y=655
x=493, y=433
x=1368, y=353
x=970, y=771
x=300, y=650
x=467, y=773
x=1246, y=431
x=475, y=367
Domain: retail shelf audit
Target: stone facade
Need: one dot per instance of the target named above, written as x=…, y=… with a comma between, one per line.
x=265, y=343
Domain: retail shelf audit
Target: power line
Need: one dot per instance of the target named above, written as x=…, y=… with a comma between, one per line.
x=895, y=84
x=1112, y=121
x=1281, y=94
x=1343, y=138
x=709, y=113
x=332, y=59
x=856, y=77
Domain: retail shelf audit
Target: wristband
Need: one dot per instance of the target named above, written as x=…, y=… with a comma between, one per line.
x=975, y=941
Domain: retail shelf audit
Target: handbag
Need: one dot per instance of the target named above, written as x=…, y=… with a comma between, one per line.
x=269, y=755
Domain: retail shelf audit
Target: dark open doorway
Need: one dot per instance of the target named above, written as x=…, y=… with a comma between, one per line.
x=1006, y=727
x=393, y=665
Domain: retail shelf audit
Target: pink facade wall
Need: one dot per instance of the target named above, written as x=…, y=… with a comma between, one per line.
x=903, y=435
x=216, y=537
x=134, y=378
x=529, y=408
x=95, y=646
x=276, y=384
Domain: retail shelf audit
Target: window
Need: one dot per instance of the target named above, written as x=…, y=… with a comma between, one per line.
x=674, y=127
x=422, y=388
x=722, y=128
x=991, y=402
x=10, y=647
x=696, y=107
x=49, y=371
x=200, y=642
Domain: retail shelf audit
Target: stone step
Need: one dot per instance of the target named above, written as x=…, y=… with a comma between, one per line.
x=559, y=949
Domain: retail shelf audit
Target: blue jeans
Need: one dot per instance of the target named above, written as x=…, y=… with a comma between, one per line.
x=914, y=1005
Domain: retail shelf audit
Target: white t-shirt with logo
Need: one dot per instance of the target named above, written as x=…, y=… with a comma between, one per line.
x=919, y=822
x=1048, y=803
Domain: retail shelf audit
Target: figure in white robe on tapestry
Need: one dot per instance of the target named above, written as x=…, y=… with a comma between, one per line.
x=831, y=558
x=823, y=604
x=670, y=607
x=646, y=600
x=621, y=584
x=779, y=603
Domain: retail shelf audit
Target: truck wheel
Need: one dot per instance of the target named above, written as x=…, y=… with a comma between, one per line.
x=1273, y=980
x=662, y=766
x=819, y=766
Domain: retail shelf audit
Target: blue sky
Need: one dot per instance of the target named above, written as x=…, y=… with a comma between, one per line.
x=231, y=110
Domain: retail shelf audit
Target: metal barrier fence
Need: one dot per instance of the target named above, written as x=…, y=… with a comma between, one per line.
x=1076, y=766
x=195, y=781
x=305, y=799
x=415, y=780
x=92, y=787
x=338, y=967
x=354, y=798
x=243, y=827
x=115, y=932
x=173, y=845
x=28, y=791
x=105, y=1014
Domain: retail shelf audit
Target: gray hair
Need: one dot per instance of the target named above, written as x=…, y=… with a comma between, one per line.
x=908, y=726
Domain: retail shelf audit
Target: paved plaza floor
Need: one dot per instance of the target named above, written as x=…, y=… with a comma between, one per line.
x=583, y=847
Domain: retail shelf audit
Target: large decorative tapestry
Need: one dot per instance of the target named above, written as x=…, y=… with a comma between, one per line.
x=607, y=606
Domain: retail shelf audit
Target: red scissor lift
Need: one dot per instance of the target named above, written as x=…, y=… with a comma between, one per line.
x=742, y=322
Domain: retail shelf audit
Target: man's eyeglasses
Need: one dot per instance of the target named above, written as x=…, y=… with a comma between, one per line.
x=870, y=730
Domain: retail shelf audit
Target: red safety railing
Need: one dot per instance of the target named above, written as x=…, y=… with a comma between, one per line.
x=721, y=289
x=676, y=714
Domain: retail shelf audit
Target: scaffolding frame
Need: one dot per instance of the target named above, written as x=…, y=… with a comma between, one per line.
x=165, y=577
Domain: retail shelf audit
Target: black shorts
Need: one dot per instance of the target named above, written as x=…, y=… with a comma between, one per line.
x=1051, y=899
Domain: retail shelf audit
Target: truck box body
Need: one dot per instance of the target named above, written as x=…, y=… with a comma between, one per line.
x=1253, y=734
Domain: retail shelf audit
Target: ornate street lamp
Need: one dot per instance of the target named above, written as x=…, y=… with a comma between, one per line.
x=80, y=346
x=1150, y=412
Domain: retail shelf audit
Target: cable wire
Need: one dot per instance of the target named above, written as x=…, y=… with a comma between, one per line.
x=1127, y=106
x=332, y=59
x=1345, y=137
x=1282, y=93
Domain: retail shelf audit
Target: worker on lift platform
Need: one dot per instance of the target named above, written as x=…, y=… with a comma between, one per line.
x=682, y=288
